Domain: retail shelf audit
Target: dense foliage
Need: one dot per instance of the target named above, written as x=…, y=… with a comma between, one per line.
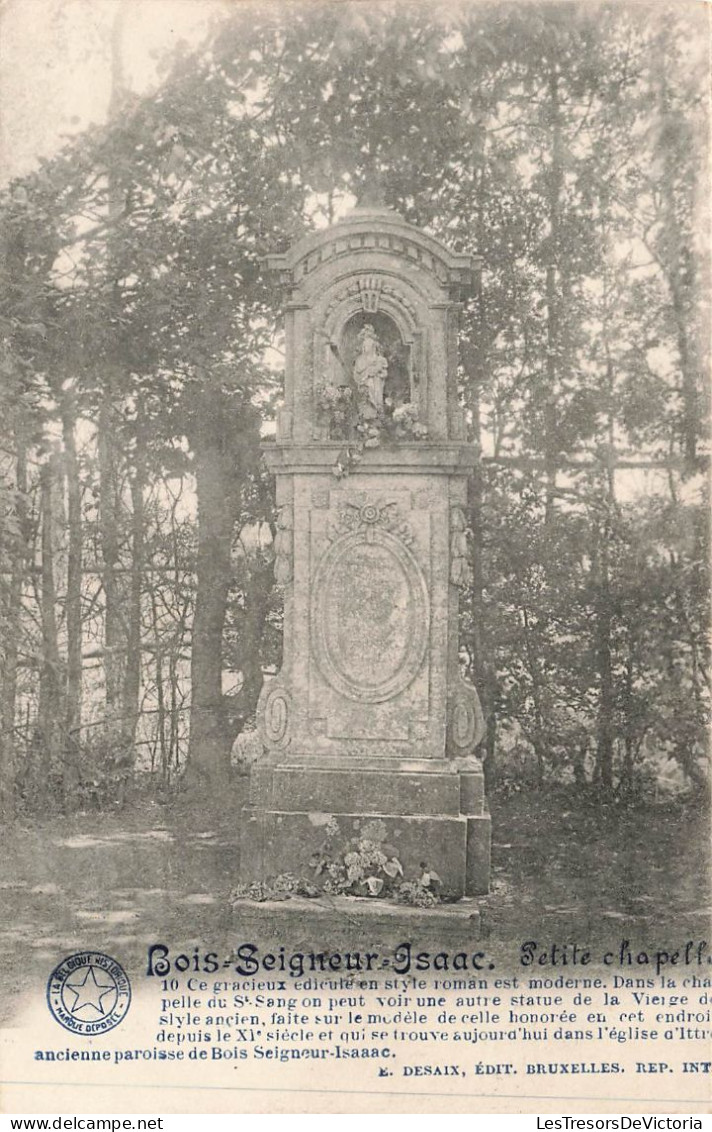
x=564, y=143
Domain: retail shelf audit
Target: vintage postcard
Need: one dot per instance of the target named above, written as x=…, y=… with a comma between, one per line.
x=354, y=560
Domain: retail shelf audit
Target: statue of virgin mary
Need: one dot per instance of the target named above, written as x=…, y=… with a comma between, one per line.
x=370, y=372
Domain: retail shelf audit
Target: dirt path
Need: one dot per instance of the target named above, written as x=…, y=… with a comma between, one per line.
x=114, y=883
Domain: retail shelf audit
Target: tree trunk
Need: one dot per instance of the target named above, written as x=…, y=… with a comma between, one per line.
x=226, y=447
x=160, y=691
x=50, y=714
x=209, y=748
x=476, y=367
x=73, y=691
x=604, y=614
x=579, y=767
x=258, y=593
x=603, y=631
x=110, y=518
x=627, y=774
x=552, y=295
x=132, y=667
x=677, y=261
x=114, y=637
x=540, y=730
x=174, y=760
x=8, y=693
x=484, y=670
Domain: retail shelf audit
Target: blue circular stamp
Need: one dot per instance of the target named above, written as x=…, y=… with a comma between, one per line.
x=89, y=993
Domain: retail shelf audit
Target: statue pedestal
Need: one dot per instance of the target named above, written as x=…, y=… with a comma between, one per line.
x=432, y=816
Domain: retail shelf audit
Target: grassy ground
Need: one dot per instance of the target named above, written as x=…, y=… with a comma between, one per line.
x=561, y=871
x=598, y=873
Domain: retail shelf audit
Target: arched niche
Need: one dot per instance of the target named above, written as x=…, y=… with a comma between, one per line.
x=398, y=385
x=399, y=320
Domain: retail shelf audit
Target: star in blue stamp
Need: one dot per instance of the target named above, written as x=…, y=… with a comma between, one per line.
x=89, y=993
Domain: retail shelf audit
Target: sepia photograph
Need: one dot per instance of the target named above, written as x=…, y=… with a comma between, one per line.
x=354, y=557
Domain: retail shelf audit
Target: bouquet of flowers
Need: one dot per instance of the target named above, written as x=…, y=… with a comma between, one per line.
x=335, y=403
x=406, y=422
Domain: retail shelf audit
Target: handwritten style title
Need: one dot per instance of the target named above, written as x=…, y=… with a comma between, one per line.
x=249, y=959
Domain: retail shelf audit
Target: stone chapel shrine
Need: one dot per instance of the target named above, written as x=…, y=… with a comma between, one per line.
x=369, y=717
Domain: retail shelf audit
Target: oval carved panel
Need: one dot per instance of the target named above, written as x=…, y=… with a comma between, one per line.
x=370, y=615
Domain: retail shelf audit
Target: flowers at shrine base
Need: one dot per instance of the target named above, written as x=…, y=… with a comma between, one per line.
x=335, y=405
x=339, y=409
x=364, y=865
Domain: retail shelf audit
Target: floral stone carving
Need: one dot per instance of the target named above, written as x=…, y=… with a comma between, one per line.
x=284, y=546
x=369, y=514
x=460, y=564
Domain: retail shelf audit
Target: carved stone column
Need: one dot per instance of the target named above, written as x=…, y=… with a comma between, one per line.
x=370, y=716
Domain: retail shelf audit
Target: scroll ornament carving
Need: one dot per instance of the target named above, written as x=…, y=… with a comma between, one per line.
x=369, y=289
x=460, y=563
x=274, y=710
x=465, y=721
x=284, y=546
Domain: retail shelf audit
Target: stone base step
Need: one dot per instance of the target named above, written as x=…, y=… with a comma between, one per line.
x=329, y=925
